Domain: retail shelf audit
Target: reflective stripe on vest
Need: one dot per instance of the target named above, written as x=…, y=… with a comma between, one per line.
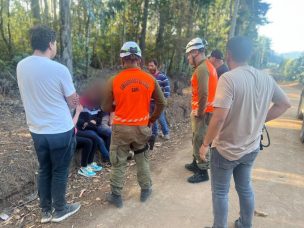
x=132, y=91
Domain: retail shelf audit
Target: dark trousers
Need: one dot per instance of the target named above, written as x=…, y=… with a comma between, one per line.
x=100, y=144
x=54, y=152
x=105, y=133
x=88, y=149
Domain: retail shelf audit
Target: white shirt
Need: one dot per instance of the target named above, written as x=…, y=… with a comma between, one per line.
x=43, y=85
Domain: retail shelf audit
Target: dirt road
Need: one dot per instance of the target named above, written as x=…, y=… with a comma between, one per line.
x=278, y=182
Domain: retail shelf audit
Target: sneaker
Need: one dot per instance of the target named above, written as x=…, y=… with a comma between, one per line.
x=167, y=137
x=192, y=167
x=86, y=171
x=199, y=177
x=94, y=167
x=145, y=194
x=116, y=200
x=46, y=217
x=69, y=210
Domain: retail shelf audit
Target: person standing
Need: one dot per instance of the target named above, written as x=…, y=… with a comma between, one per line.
x=47, y=92
x=164, y=84
x=217, y=60
x=129, y=94
x=203, y=83
x=242, y=103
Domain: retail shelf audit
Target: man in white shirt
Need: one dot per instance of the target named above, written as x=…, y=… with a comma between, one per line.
x=241, y=108
x=47, y=93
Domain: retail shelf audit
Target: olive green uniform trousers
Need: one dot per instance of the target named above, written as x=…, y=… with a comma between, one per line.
x=199, y=130
x=126, y=138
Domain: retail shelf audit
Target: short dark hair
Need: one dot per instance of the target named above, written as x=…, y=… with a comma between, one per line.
x=154, y=61
x=131, y=58
x=217, y=54
x=41, y=36
x=240, y=48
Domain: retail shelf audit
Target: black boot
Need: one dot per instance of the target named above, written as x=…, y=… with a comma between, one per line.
x=200, y=176
x=192, y=166
x=145, y=194
x=116, y=200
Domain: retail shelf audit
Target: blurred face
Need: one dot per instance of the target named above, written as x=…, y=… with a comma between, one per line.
x=152, y=67
x=53, y=48
x=212, y=60
x=191, y=57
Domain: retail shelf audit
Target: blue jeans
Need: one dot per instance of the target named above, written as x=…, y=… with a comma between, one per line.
x=105, y=132
x=99, y=142
x=221, y=172
x=54, y=153
x=162, y=120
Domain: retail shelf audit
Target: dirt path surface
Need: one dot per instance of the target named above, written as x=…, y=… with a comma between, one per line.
x=278, y=182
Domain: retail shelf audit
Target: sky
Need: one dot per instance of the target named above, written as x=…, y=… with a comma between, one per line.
x=286, y=27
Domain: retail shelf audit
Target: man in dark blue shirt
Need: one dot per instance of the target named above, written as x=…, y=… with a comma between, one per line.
x=164, y=84
x=217, y=60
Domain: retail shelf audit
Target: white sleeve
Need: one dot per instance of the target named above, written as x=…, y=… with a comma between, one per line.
x=67, y=82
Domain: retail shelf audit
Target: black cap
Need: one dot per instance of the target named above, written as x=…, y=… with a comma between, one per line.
x=217, y=54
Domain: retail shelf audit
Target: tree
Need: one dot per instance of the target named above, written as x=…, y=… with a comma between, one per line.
x=35, y=11
x=234, y=16
x=65, y=36
x=142, y=41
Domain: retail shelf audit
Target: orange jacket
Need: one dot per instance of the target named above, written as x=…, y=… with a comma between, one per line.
x=132, y=90
x=204, y=83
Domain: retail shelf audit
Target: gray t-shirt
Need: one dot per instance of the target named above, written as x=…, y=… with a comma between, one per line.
x=44, y=84
x=247, y=93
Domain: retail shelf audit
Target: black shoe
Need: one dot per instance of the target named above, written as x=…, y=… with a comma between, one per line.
x=116, y=200
x=198, y=177
x=192, y=167
x=145, y=194
x=69, y=210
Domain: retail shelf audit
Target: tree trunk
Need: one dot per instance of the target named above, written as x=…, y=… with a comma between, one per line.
x=87, y=44
x=36, y=11
x=142, y=42
x=6, y=38
x=65, y=35
x=46, y=11
x=161, y=28
x=233, y=19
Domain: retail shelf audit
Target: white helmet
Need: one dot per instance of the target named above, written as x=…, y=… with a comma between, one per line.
x=196, y=43
x=129, y=48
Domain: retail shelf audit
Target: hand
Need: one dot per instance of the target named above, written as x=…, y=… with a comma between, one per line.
x=84, y=125
x=79, y=108
x=195, y=113
x=93, y=122
x=203, y=152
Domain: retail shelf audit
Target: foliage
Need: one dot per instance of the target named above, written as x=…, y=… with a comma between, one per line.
x=99, y=27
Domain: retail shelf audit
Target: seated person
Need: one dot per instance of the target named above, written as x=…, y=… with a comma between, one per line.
x=89, y=122
x=88, y=167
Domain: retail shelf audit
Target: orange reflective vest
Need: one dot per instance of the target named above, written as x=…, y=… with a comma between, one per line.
x=203, y=68
x=132, y=91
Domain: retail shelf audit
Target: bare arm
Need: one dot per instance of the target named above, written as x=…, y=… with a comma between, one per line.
x=72, y=100
x=79, y=109
x=280, y=104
